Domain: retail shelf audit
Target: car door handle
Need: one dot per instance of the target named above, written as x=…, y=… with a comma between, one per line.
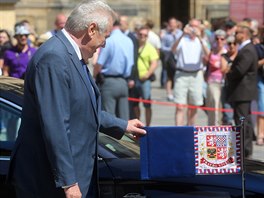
x=134, y=195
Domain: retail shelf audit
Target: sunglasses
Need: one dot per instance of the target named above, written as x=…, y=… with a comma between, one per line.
x=238, y=32
x=230, y=43
x=219, y=38
x=21, y=35
x=143, y=35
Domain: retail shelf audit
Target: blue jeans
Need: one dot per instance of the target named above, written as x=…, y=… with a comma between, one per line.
x=143, y=90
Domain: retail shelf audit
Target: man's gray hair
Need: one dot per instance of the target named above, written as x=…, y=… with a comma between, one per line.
x=87, y=12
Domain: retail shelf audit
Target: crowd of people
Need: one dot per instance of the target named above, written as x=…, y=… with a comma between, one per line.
x=18, y=46
x=217, y=65
x=214, y=65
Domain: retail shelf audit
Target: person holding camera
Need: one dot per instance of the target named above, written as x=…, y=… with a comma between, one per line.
x=188, y=80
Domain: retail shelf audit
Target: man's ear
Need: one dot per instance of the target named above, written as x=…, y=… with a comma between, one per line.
x=92, y=28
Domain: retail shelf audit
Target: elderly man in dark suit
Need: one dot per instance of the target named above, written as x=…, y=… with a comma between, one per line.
x=56, y=150
x=242, y=83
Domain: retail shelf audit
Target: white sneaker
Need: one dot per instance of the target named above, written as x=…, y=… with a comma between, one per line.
x=170, y=98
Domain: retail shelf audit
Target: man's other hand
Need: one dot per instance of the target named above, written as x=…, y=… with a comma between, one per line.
x=73, y=191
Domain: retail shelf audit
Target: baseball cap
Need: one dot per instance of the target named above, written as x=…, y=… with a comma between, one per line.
x=21, y=30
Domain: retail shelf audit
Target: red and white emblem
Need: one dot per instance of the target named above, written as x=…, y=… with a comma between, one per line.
x=217, y=150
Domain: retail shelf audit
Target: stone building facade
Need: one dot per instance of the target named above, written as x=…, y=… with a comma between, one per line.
x=7, y=14
x=41, y=13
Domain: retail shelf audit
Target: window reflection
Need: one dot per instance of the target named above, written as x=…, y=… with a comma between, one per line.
x=120, y=148
x=9, y=122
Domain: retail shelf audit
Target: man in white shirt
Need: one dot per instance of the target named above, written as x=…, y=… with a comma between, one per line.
x=188, y=85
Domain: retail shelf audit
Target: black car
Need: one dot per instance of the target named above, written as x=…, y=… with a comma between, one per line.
x=119, y=163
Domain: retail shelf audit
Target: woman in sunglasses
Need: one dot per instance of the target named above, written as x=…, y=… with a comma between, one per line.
x=226, y=62
x=214, y=77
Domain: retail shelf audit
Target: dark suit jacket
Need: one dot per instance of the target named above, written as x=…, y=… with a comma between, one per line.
x=134, y=71
x=242, y=78
x=57, y=142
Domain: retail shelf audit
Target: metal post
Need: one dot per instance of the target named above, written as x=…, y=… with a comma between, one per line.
x=242, y=150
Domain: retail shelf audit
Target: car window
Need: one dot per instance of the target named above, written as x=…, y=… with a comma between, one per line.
x=124, y=148
x=9, y=122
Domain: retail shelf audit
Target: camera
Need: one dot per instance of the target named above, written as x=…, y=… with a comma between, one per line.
x=190, y=30
x=193, y=31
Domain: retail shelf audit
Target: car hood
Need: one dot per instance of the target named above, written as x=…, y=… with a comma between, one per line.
x=124, y=169
x=129, y=169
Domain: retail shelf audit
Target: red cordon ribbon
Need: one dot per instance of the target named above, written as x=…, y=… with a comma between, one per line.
x=229, y=161
x=187, y=106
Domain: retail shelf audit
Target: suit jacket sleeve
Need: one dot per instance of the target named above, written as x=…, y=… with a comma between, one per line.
x=52, y=95
x=112, y=125
x=241, y=65
x=242, y=78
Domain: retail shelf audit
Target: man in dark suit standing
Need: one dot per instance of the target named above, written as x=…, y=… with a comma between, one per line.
x=55, y=154
x=124, y=26
x=242, y=83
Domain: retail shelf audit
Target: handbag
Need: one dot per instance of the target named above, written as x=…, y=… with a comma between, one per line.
x=207, y=68
x=171, y=61
x=152, y=77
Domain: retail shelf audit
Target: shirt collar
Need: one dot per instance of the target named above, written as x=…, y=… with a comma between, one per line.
x=243, y=44
x=73, y=43
x=126, y=32
x=114, y=31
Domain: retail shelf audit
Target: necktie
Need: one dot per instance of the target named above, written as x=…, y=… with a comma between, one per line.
x=89, y=78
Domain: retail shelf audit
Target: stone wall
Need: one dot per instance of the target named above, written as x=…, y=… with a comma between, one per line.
x=204, y=9
x=7, y=17
x=41, y=13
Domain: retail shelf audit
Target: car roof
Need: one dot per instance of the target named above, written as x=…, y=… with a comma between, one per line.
x=12, y=89
x=13, y=84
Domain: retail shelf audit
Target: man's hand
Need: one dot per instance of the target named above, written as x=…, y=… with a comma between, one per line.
x=135, y=127
x=145, y=77
x=187, y=30
x=131, y=84
x=73, y=191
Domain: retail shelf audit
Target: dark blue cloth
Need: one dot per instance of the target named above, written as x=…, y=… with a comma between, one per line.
x=167, y=152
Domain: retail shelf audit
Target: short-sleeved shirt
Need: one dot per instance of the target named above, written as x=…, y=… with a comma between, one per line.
x=17, y=61
x=117, y=58
x=154, y=39
x=169, y=39
x=146, y=54
x=189, y=54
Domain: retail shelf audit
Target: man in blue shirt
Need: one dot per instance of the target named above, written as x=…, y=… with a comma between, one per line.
x=172, y=34
x=115, y=63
